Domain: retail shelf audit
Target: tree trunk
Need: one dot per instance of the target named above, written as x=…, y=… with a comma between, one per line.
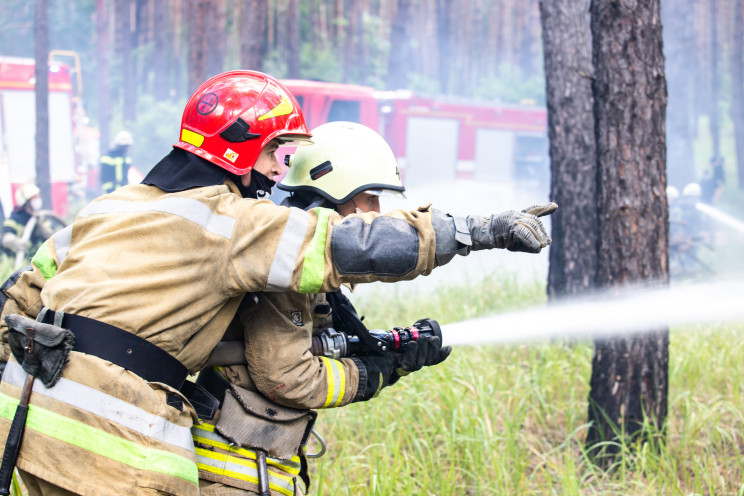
x=737, y=88
x=715, y=133
x=401, y=56
x=254, y=17
x=568, y=70
x=102, y=73
x=161, y=58
x=444, y=41
x=41, y=73
x=198, y=13
x=629, y=379
x=216, y=38
x=123, y=15
x=679, y=49
x=141, y=37
x=293, y=40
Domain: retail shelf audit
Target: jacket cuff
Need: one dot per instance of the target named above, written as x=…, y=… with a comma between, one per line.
x=362, y=388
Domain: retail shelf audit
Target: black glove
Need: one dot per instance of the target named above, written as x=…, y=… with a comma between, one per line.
x=515, y=231
x=425, y=351
x=375, y=373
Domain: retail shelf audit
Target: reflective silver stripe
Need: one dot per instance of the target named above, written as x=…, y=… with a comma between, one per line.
x=289, y=247
x=189, y=209
x=241, y=469
x=106, y=406
x=62, y=241
x=205, y=434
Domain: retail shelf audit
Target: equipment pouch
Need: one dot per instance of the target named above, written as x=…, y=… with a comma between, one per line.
x=250, y=420
x=41, y=349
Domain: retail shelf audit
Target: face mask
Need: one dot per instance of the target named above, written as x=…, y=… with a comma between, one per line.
x=35, y=204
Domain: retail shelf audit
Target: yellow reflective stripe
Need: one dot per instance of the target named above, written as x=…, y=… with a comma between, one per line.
x=284, y=107
x=209, y=437
x=191, y=137
x=102, y=443
x=336, y=378
x=241, y=469
x=313, y=267
x=44, y=261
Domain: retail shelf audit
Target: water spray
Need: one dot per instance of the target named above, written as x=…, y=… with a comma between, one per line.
x=720, y=216
x=613, y=313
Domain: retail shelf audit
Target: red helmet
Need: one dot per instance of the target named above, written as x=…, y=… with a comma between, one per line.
x=231, y=117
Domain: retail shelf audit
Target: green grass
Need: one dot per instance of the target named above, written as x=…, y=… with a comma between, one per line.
x=6, y=267
x=512, y=420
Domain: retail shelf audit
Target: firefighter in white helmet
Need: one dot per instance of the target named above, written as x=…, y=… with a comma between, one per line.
x=116, y=162
x=148, y=278
x=347, y=169
x=27, y=201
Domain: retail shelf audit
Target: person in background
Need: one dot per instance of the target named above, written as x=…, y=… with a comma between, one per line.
x=713, y=181
x=28, y=201
x=347, y=169
x=115, y=164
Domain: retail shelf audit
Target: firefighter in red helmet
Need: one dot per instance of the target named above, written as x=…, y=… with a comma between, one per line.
x=138, y=291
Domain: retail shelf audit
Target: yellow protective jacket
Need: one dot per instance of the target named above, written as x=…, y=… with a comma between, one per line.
x=172, y=268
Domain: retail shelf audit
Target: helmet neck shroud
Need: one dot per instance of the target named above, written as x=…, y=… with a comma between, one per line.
x=181, y=170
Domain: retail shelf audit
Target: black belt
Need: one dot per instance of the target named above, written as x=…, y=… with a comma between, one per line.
x=124, y=349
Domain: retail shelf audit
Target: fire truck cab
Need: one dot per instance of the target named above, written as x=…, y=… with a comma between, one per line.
x=440, y=139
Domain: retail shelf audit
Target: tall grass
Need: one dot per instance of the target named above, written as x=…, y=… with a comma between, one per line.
x=512, y=420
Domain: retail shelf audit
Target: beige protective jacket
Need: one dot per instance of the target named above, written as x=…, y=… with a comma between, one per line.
x=172, y=268
x=277, y=330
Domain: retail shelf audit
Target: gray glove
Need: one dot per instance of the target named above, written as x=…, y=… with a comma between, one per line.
x=515, y=231
x=15, y=243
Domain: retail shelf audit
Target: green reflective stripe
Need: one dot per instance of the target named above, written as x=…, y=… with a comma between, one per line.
x=205, y=434
x=313, y=267
x=241, y=469
x=336, y=379
x=108, y=160
x=102, y=443
x=44, y=261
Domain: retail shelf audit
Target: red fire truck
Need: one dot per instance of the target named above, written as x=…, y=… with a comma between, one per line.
x=18, y=130
x=439, y=139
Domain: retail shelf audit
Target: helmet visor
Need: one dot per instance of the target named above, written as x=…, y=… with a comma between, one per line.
x=389, y=193
x=294, y=140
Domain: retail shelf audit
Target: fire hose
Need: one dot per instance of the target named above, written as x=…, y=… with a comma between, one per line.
x=336, y=344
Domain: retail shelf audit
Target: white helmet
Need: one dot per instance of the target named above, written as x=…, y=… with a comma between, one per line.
x=123, y=138
x=692, y=189
x=672, y=193
x=25, y=193
x=345, y=158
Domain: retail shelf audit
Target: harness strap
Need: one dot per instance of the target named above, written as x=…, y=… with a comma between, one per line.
x=124, y=349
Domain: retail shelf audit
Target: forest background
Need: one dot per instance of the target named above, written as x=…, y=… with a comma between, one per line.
x=140, y=59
